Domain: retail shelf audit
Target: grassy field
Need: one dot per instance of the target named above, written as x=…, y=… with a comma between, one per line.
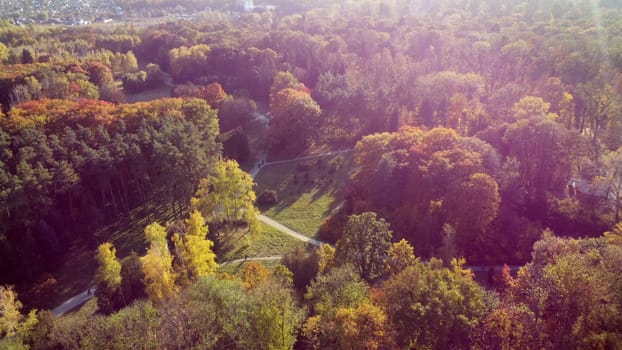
x=308, y=190
x=267, y=242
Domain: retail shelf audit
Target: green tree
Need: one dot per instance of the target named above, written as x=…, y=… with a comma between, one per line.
x=433, y=307
x=365, y=244
x=531, y=106
x=570, y=287
x=27, y=56
x=132, y=278
x=340, y=288
x=157, y=265
x=227, y=196
x=275, y=316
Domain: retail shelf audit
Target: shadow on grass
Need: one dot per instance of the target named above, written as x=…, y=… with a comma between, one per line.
x=127, y=234
x=302, y=185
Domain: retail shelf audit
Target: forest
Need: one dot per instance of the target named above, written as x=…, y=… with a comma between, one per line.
x=480, y=208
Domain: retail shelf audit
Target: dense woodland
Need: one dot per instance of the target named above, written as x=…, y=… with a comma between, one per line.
x=485, y=133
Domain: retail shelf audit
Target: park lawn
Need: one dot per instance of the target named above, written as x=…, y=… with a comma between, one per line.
x=267, y=242
x=308, y=191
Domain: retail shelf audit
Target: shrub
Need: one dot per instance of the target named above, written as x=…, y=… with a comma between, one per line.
x=268, y=197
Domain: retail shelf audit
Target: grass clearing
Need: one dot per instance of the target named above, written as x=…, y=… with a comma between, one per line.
x=268, y=242
x=308, y=190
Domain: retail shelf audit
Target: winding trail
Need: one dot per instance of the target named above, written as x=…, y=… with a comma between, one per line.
x=73, y=302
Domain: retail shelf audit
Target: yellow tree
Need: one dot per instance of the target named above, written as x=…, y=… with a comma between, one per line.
x=364, y=327
x=109, y=269
x=227, y=196
x=195, y=249
x=157, y=265
x=327, y=258
x=401, y=255
x=108, y=276
x=14, y=326
x=254, y=274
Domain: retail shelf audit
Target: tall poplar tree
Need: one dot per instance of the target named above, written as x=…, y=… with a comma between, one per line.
x=158, y=265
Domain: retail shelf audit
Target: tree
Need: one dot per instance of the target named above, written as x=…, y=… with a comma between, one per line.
x=400, y=256
x=569, y=290
x=108, y=277
x=340, y=288
x=365, y=244
x=27, y=56
x=4, y=53
x=157, y=265
x=364, y=327
x=326, y=254
x=611, y=180
x=474, y=212
x=282, y=80
x=109, y=267
x=132, y=278
x=14, y=327
x=188, y=63
x=227, y=196
x=295, y=120
x=214, y=95
x=255, y=273
x=433, y=307
x=195, y=250
x=531, y=106
x=275, y=316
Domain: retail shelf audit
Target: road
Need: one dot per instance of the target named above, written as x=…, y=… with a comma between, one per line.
x=73, y=302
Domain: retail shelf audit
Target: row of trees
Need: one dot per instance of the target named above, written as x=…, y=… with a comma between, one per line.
x=565, y=297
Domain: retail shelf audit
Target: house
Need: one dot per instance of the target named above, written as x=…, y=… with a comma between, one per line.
x=246, y=5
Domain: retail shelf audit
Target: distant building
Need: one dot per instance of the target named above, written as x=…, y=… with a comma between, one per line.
x=246, y=5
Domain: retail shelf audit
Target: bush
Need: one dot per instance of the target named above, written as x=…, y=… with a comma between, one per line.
x=268, y=197
x=332, y=228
